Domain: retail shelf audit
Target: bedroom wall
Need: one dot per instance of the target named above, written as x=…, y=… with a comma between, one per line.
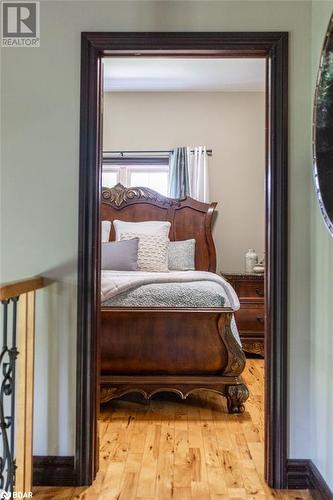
x=40, y=158
x=321, y=269
x=233, y=125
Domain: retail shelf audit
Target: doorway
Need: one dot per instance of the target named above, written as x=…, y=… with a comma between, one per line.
x=274, y=48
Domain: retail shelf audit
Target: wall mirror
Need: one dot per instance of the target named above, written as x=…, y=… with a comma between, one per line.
x=323, y=131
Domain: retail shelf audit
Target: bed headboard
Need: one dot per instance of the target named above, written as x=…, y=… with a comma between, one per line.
x=189, y=218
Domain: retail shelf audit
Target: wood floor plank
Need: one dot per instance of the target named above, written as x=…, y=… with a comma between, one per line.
x=147, y=476
x=231, y=470
x=216, y=481
x=211, y=447
x=200, y=490
x=170, y=449
x=165, y=463
x=182, y=494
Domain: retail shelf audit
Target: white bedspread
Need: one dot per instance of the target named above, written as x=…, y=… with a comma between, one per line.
x=115, y=282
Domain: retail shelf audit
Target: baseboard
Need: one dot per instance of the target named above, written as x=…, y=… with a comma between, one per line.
x=318, y=486
x=303, y=474
x=298, y=474
x=60, y=471
x=53, y=471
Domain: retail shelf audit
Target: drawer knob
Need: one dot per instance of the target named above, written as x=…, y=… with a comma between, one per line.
x=259, y=292
x=260, y=319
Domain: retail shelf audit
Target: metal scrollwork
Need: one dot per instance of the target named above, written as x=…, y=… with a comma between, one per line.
x=7, y=399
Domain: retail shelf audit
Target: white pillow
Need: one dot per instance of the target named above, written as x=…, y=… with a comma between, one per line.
x=148, y=227
x=153, y=251
x=106, y=228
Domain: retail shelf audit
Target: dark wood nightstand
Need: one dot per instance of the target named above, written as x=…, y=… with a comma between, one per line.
x=251, y=316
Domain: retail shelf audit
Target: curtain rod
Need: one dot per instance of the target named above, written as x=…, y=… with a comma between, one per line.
x=121, y=153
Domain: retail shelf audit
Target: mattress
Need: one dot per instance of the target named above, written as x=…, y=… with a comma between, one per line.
x=116, y=283
x=187, y=294
x=177, y=289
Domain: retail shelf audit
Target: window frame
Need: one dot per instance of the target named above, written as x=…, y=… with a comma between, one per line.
x=124, y=165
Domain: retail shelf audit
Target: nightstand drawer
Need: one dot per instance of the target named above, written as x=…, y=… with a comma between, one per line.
x=253, y=289
x=250, y=319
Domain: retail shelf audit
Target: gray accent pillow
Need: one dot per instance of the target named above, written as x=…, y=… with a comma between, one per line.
x=182, y=255
x=120, y=255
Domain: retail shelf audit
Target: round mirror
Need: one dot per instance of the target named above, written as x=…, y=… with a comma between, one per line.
x=323, y=131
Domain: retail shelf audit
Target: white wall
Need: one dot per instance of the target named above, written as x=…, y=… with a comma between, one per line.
x=40, y=156
x=321, y=268
x=233, y=125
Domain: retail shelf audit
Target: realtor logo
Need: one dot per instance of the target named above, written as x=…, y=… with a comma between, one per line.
x=19, y=24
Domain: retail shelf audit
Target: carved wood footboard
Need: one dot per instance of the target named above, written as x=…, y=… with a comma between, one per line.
x=178, y=350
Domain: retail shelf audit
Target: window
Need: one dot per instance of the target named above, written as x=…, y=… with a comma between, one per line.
x=151, y=175
x=154, y=177
x=109, y=177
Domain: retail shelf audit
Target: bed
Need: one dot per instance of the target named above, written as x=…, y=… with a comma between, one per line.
x=169, y=331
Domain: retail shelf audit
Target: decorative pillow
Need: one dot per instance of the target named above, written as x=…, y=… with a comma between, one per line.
x=182, y=255
x=120, y=255
x=147, y=227
x=153, y=251
x=106, y=228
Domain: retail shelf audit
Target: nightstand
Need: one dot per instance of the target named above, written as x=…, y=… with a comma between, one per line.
x=250, y=317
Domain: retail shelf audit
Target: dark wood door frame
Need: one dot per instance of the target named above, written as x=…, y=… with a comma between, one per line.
x=273, y=46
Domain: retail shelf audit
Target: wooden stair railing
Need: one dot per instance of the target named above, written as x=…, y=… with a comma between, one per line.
x=16, y=383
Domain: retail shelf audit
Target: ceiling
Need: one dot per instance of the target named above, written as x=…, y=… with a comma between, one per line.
x=151, y=74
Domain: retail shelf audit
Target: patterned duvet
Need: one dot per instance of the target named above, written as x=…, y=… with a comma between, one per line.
x=191, y=294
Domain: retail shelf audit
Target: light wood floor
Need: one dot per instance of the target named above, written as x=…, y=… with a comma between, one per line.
x=181, y=450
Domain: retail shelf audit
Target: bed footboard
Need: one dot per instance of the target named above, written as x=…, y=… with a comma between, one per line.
x=232, y=388
x=178, y=350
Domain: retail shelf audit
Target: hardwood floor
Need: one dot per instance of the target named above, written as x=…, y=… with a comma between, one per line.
x=181, y=450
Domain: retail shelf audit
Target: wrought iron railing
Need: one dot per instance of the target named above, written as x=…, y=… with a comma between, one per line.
x=16, y=391
x=7, y=393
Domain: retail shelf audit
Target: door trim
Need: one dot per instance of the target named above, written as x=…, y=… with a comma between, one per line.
x=273, y=46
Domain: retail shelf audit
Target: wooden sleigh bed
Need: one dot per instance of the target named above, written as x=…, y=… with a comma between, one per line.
x=150, y=350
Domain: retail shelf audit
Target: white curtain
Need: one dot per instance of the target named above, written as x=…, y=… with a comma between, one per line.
x=198, y=173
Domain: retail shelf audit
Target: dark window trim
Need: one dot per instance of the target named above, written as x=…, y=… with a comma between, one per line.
x=136, y=161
